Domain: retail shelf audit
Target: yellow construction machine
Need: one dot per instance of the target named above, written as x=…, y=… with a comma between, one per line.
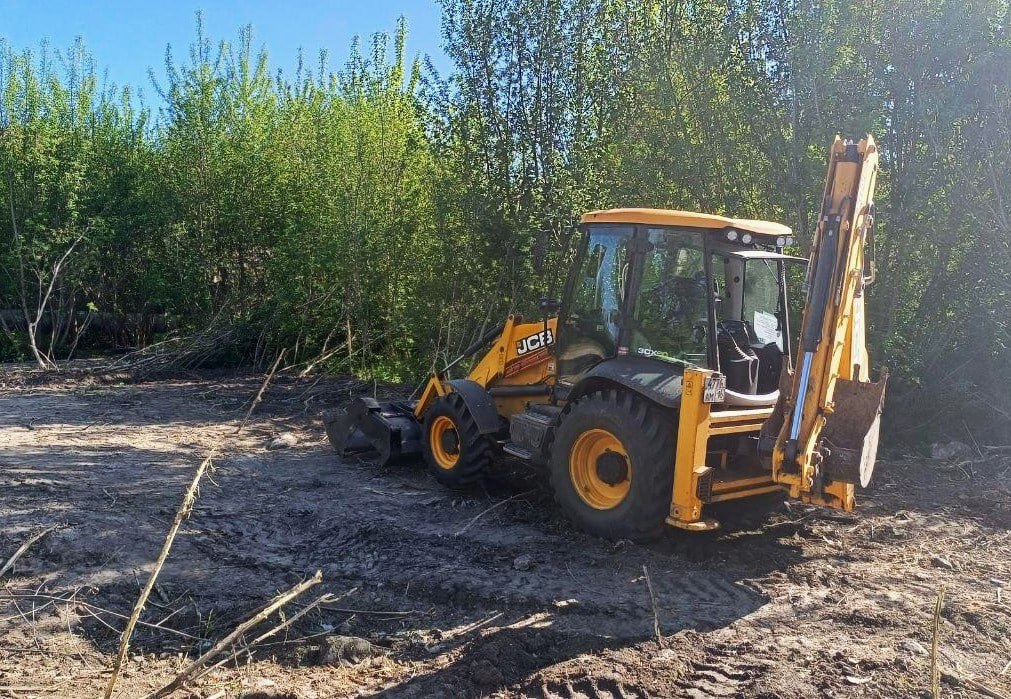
x=663, y=380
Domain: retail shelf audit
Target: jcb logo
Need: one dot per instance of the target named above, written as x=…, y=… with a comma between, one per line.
x=535, y=342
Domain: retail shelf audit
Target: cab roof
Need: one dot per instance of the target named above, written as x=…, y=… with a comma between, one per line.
x=671, y=217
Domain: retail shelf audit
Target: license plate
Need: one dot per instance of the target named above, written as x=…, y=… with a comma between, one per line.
x=715, y=389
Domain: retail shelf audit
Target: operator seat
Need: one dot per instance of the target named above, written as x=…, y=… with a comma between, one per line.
x=738, y=360
x=751, y=367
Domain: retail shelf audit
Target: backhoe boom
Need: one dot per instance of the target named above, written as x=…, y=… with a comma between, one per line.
x=828, y=439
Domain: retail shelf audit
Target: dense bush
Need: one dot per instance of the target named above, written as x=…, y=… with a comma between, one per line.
x=380, y=215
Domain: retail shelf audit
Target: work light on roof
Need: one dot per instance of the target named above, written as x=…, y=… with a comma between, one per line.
x=731, y=235
x=746, y=238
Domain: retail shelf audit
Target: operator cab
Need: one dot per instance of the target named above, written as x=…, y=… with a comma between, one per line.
x=681, y=289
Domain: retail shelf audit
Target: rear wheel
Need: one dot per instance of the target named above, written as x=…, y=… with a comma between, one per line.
x=612, y=465
x=456, y=452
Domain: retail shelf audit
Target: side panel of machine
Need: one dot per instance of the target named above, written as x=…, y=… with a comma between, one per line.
x=523, y=356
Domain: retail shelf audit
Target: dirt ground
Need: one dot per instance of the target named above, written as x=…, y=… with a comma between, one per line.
x=454, y=599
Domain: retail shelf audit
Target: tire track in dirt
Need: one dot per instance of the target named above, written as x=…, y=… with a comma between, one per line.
x=405, y=545
x=586, y=688
x=723, y=671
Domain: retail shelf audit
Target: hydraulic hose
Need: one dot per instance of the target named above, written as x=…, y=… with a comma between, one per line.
x=814, y=319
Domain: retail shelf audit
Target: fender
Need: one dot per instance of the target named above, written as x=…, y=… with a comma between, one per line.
x=480, y=404
x=654, y=380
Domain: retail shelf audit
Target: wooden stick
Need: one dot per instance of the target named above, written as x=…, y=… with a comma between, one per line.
x=318, y=360
x=973, y=439
x=374, y=612
x=184, y=511
x=27, y=688
x=197, y=665
x=935, y=676
x=976, y=685
x=103, y=610
x=652, y=601
x=267, y=634
x=24, y=547
x=259, y=394
x=497, y=504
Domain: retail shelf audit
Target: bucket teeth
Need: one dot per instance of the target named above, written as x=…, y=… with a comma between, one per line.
x=389, y=429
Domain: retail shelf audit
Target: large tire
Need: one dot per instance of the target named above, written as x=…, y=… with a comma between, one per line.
x=456, y=452
x=612, y=465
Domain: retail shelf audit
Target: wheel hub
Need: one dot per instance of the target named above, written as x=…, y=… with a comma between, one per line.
x=450, y=441
x=612, y=467
x=600, y=469
x=444, y=441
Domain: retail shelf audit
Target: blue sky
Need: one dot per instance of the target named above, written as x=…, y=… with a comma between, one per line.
x=129, y=37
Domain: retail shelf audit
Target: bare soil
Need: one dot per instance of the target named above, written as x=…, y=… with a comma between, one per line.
x=455, y=600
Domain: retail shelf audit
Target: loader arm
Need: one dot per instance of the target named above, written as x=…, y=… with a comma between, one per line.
x=827, y=442
x=517, y=366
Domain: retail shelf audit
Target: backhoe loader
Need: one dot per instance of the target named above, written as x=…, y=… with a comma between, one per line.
x=663, y=380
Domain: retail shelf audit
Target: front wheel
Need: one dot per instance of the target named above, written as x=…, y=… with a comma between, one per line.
x=612, y=465
x=456, y=452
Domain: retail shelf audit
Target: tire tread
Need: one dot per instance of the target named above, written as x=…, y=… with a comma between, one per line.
x=653, y=465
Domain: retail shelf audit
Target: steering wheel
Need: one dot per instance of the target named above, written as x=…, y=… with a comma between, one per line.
x=699, y=332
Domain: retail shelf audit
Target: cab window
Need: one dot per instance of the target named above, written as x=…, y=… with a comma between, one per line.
x=671, y=308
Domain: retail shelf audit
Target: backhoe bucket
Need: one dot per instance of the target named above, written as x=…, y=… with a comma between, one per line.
x=389, y=429
x=850, y=436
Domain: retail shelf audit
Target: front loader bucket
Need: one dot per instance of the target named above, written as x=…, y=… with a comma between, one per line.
x=390, y=429
x=851, y=432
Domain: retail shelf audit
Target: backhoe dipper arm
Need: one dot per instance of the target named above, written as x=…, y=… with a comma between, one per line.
x=828, y=439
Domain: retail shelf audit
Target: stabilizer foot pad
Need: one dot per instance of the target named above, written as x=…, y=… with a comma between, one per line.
x=704, y=525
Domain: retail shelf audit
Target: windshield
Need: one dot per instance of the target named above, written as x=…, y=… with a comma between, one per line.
x=591, y=326
x=596, y=297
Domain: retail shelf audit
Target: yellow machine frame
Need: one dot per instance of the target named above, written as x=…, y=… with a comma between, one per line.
x=523, y=355
x=694, y=481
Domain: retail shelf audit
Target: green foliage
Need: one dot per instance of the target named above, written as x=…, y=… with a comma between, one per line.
x=930, y=80
x=359, y=255
x=379, y=216
x=69, y=160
